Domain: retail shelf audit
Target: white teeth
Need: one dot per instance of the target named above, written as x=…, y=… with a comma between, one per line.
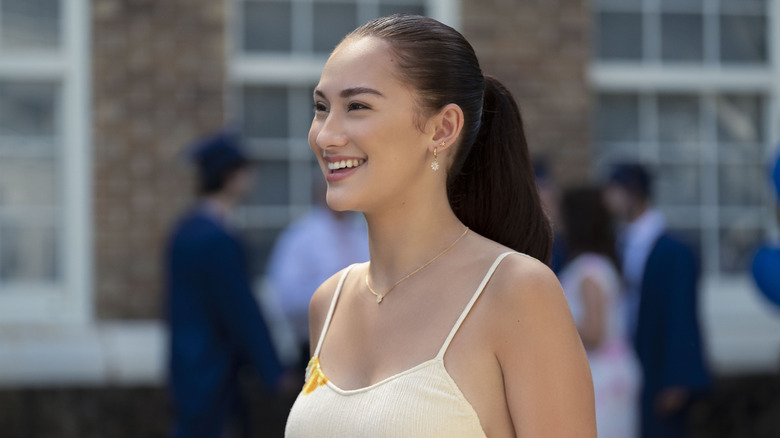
x=345, y=164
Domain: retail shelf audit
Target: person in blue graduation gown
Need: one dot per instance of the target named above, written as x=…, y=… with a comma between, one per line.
x=216, y=326
x=661, y=275
x=766, y=262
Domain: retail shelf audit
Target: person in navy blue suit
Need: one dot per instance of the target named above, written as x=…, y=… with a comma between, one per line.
x=661, y=275
x=766, y=261
x=216, y=326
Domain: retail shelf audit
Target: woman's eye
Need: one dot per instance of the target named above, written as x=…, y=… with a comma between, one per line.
x=356, y=106
x=319, y=107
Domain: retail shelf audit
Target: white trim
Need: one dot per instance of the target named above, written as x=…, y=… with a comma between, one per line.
x=32, y=66
x=741, y=329
x=69, y=300
x=118, y=353
x=446, y=11
x=277, y=70
x=638, y=77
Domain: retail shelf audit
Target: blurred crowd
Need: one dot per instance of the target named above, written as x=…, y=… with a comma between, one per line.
x=632, y=285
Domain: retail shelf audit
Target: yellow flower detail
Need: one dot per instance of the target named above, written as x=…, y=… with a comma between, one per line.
x=316, y=377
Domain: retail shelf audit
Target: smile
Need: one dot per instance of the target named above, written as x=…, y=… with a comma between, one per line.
x=345, y=164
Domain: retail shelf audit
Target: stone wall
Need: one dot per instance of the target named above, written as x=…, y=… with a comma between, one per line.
x=540, y=50
x=158, y=83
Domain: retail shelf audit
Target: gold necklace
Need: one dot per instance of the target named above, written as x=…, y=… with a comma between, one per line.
x=380, y=297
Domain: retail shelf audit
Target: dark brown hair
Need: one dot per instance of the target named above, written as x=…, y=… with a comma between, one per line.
x=587, y=223
x=490, y=184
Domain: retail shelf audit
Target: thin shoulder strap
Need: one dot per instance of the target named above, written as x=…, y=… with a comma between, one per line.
x=332, y=309
x=471, y=303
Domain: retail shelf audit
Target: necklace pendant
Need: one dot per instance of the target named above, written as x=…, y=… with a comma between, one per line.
x=379, y=298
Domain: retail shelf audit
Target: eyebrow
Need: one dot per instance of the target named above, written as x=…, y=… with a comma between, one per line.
x=350, y=92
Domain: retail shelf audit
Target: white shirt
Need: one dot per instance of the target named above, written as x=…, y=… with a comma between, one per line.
x=638, y=239
x=309, y=252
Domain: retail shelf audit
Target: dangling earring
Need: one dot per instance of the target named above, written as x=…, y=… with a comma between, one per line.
x=435, y=164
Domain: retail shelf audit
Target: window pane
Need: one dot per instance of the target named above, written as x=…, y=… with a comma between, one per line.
x=678, y=126
x=267, y=26
x=265, y=112
x=30, y=24
x=677, y=185
x=681, y=37
x=617, y=117
x=682, y=5
x=27, y=109
x=634, y=5
x=27, y=252
x=741, y=185
x=332, y=21
x=302, y=112
x=28, y=182
x=619, y=36
x=744, y=6
x=736, y=248
x=740, y=118
x=743, y=39
x=272, y=183
x=401, y=9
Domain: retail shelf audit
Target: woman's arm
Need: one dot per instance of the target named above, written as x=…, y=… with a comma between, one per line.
x=593, y=326
x=547, y=380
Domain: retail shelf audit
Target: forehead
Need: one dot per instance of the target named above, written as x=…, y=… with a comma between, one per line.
x=360, y=62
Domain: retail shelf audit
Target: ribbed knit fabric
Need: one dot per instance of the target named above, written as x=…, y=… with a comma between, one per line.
x=423, y=401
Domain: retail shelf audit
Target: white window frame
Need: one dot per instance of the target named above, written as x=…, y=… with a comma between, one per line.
x=69, y=301
x=741, y=329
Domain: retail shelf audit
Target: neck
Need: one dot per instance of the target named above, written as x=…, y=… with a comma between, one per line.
x=403, y=238
x=221, y=203
x=638, y=211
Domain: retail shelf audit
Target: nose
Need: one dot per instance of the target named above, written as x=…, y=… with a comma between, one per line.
x=328, y=133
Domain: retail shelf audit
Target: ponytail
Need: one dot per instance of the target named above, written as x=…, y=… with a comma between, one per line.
x=491, y=185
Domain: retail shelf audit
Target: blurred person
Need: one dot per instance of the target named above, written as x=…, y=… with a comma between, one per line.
x=593, y=289
x=447, y=331
x=766, y=262
x=216, y=326
x=307, y=253
x=661, y=275
x=549, y=194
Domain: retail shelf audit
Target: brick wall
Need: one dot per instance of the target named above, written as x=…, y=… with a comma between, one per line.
x=540, y=50
x=158, y=83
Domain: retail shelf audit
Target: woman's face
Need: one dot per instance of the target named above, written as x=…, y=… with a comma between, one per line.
x=364, y=133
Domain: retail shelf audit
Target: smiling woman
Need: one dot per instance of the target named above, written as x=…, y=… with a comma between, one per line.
x=448, y=330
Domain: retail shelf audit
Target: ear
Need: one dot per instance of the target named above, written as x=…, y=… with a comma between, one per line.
x=447, y=125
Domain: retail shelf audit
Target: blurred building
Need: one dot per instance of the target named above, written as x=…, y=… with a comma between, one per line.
x=99, y=98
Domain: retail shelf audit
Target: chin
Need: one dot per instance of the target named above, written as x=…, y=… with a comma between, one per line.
x=339, y=200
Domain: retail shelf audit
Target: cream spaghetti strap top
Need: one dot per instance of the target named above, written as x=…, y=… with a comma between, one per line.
x=423, y=401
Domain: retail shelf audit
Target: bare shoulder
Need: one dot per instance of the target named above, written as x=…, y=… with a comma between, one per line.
x=319, y=305
x=521, y=278
x=525, y=296
x=543, y=363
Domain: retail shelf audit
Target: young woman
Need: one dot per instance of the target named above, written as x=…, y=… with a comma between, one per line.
x=592, y=286
x=447, y=331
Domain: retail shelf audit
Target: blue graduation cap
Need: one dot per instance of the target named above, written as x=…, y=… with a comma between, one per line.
x=218, y=153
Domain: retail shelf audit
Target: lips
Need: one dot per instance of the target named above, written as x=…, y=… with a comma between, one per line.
x=340, y=167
